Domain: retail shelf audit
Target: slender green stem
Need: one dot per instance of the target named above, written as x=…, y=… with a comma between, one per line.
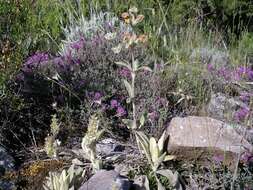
x=133, y=100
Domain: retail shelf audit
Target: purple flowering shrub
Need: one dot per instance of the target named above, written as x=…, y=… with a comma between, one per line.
x=239, y=75
x=85, y=77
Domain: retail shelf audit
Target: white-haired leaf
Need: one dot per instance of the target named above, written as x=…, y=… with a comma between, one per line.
x=169, y=157
x=172, y=177
x=161, y=141
x=153, y=148
x=110, y=35
x=124, y=64
x=142, y=120
x=117, y=49
x=129, y=88
x=145, y=68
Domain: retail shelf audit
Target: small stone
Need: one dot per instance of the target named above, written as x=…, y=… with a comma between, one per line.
x=108, y=146
x=106, y=180
x=222, y=107
x=6, y=165
x=6, y=161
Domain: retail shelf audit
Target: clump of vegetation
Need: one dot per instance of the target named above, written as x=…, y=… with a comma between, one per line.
x=51, y=141
x=66, y=180
x=89, y=143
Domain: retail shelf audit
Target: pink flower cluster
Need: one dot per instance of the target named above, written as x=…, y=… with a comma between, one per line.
x=237, y=74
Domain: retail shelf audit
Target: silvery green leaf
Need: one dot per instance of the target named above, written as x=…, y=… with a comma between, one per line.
x=169, y=157
x=79, y=171
x=143, y=144
x=161, y=141
x=124, y=64
x=83, y=174
x=142, y=120
x=117, y=49
x=153, y=148
x=129, y=88
x=160, y=186
x=173, y=178
x=71, y=172
x=146, y=183
x=135, y=65
x=159, y=161
x=75, y=162
x=99, y=134
x=55, y=76
x=145, y=68
x=128, y=100
x=143, y=137
x=128, y=123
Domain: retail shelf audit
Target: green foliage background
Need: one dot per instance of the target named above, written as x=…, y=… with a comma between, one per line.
x=35, y=25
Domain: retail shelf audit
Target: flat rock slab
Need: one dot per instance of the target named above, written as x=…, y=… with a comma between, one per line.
x=205, y=132
x=6, y=161
x=106, y=180
x=6, y=165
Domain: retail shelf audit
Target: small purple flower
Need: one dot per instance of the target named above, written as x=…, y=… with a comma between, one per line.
x=37, y=58
x=241, y=70
x=78, y=45
x=58, y=61
x=77, y=61
x=69, y=54
x=109, y=25
x=96, y=40
x=121, y=111
x=236, y=75
x=104, y=107
x=218, y=159
x=124, y=72
x=250, y=74
x=159, y=67
x=242, y=113
x=114, y=104
x=20, y=77
x=225, y=73
x=97, y=96
x=245, y=96
x=153, y=116
x=161, y=101
x=246, y=157
x=210, y=67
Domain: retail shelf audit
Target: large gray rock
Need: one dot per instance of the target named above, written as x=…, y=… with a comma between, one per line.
x=6, y=162
x=106, y=180
x=6, y=185
x=222, y=107
x=205, y=132
x=213, y=57
x=6, y=165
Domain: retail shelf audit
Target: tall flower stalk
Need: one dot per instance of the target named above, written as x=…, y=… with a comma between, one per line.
x=131, y=17
x=134, y=68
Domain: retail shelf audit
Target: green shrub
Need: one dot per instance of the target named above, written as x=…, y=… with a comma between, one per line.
x=234, y=15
